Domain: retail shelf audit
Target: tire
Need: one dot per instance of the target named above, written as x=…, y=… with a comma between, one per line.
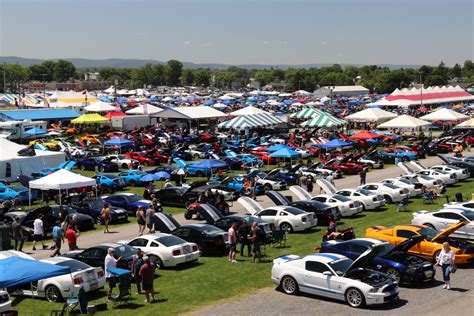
x=267, y=187
x=187, y=203
x=101, y=169
x=188, y=215
x=82, y=167
x=145, y=163
x=355, y=298
x=388, y=199
x=289, y=285
x=52, y=294
x=436, y=254
x=196, y=156
x=124, y=166
x=405, y=159
x=363, y=207
x=394, y=273
x=157, y=260
x=286, y=227
x=131, y=182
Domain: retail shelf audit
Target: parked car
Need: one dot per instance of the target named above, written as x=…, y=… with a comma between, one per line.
x=392, y=260
x=122, y=161
x=132, y=177
x=128, y=201
x=97, y=164
x=444, y=218
x=336, y=277
x=165, y=249
x=110, y=182
x=95, y=256
x=368, y=199
x=414, y=189
x=390, y=192
x=94, y=208
x=5, y=302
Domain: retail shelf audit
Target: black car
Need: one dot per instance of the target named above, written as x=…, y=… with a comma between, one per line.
x=51, y=214
x=129, y=201
x=321, y=210
x=210, y=239
x=461, y=163
x=97, y=164
x=95, y=256
x=94, y=208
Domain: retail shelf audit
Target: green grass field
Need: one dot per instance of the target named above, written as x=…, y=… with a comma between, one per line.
x=214, y=278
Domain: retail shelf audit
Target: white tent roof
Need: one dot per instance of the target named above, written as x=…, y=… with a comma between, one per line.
x=404, y=121
x=248, y=110
x=444, y=115
x=370, y=115
x=9, y=149
x=467, y=124
x=99, y=106
x=110, y=90
x=191, y=113
x=144, y=109
x=62, y=180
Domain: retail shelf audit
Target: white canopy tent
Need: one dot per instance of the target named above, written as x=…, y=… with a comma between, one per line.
x=145, y=109
x=371, y=115
x=405, y=122
x=466, y=124
x=191, y=113
x=445, y=115
x=99, y=106
x=248, y=110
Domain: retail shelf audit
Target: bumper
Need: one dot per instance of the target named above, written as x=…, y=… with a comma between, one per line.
x=465, y=259
x=350, y=211
x=182, y=259
x=374, y=205
x=6, y=306
x=381, y=298
x=462, y=176
x=399, y=197
x=304, y=226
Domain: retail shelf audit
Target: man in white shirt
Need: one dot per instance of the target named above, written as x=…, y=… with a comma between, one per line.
x=110, y=263
x=38, y=231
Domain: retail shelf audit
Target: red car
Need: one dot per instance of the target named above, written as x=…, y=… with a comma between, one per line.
x=157, y=155
x=345, y=168
x=207, y=138
x=142, y=158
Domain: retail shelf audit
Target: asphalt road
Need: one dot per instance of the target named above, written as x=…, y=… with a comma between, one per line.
x=430, y=300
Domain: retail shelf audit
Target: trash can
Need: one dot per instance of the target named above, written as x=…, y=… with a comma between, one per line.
x=4, y=237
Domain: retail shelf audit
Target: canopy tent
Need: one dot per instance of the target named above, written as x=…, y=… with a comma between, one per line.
x=248, y=110
x=252, y=121
x=191, y=113
x=277, y=147
x=325, y=120
x=405, y=122
x=121, y=142
x=99, y=106
x=210, y=163
x=364, y=135
x=335, y=143
x=342, y=90
x=285, y=153
x=110, y=115
x=466, y=124
x=307, y=113
x=145, y=109
x=62, y=180
x=35, y=132
x=27, y=271
x=90, y=119
x=61, y=99
x=371, y=115
x=445, y=115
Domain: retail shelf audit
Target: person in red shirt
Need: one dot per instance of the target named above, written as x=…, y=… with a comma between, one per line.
x=71, y=236
x=147, y=274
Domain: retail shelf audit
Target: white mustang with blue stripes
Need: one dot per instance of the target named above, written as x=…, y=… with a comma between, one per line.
x=335, y=276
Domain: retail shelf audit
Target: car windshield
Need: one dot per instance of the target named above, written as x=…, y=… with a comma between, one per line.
x=121, y=157
x=340, y=266
x=74, y=265
x=19, y=188
x=404, y=181
x=391, y=186
x=469, y=215
x=341, y=198
x=99, y=203
x=365, y=192
x=261, y=175
x=133, y=198
x=124, y=251
x=425, y=177
x=428, y=232
x=294, y=210
x=169, y=241
x=387, y=247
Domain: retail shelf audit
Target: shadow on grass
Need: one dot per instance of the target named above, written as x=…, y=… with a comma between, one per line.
x=378, y=209
x=185, y=266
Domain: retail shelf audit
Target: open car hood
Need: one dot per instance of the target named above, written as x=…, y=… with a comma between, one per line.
x=278, y=198
x=418, y=164
x=326, y=186
x=164, y=223
x=405, y=168
x=250, y=205
x=300, y=193
x=405, y=245
x=365, y=258
x=210, y=213
x=451, y=229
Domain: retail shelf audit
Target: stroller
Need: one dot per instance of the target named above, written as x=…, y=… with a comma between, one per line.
x=124, y=279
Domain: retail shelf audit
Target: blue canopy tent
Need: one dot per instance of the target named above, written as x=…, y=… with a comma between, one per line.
x=27, y=271
x=162, y=175
x=277, y=147
x=119, y=142
x=210, y=163
x=335, y=143
x=150, y=177
x=286, y=153
x=35, y=132
x=209, y=102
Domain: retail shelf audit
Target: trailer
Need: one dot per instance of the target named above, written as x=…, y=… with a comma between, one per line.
x=127, y=123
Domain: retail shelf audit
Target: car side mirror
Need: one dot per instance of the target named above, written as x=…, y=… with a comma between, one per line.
x=327, y=273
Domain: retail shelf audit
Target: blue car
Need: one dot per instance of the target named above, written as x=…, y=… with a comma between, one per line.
x=19, y=192
x=93, y=208
x=393, y=260
x=128, y=201
x=192, y=170
x=387, y=157
x=67, y=165
x=109, y=181
x=132, y=177
x=97, y=164
x=237, y=183
x=248, y=159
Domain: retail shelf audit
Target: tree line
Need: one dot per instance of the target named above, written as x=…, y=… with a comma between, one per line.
x=172, y=73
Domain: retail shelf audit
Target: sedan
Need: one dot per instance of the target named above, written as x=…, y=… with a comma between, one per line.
x=165, y=249
x=94, y=208
x=128, y=201
x=336, y=277
x=122, y=161
x=461, y=173
x=390, y=192
x=210, y=239
x=440, y=175
x=415, y=189
x=368, y=199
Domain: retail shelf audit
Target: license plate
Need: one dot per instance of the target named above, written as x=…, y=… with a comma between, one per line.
x=93, y=285
x=188, y=257
x=428, y=274
x=187, y=249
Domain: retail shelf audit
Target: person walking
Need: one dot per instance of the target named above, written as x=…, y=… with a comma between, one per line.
x=232, y=239
x=446, y=259
x=243, y=232
x=71, y=236
x=58, y=238
x=137, y=262
x=110, y=262
x=309, y=184
x=148, y=219
x=147, y=274
x=38, y=232
x=18, y=234
x=363, y=175
x=141, y=220
x=105, y=216
x=256, y=242
x=330, y=179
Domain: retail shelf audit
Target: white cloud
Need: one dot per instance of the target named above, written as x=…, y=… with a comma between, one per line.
x=187, y=43
x=324, y=43
x=266, y=42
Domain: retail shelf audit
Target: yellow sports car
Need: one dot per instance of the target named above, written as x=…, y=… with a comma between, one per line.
x=48, y=144
x=433, y=243
x=91, y=139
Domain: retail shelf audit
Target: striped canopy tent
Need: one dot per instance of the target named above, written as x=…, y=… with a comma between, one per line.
x=324, y=120
x=466, y=124
x=307, y=113
x=251, y=121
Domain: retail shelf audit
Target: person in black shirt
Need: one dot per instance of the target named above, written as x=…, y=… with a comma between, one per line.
x=18, y=234
x=243, y=233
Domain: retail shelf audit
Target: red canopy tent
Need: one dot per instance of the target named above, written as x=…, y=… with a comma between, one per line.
x=365, y=135
x=114, y=114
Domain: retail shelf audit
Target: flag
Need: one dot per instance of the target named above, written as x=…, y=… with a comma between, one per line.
x=84, y=92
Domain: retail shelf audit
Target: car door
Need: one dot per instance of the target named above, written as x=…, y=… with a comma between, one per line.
x=119, y=201
x=320, y=280
x=92, y=257
x=139, y=242
x=404, y=234
x=269, y=215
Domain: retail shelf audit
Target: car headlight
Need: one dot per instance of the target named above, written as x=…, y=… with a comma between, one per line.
x=373, y=290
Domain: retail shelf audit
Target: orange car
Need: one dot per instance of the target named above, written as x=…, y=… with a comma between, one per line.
x=91, y=139
x=433, y=243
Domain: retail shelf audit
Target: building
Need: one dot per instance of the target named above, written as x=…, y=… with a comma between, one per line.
x=346, y=91
x=77, y=85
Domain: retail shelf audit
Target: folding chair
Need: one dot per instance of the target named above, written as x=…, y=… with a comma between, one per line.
x=279, y=238
x=402, y=205
x=427, y=198
x=125, y=281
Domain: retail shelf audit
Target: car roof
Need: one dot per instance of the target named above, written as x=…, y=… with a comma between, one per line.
x=108, y=245
x=279, y=207
x=368, y=241
x=154, y=236
x=55, y=260
x=124, y=194
x=325, y=257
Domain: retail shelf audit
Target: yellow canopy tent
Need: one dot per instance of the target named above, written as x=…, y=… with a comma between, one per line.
x=90, y=119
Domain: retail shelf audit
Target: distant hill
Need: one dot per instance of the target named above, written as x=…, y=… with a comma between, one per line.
x=135, y=63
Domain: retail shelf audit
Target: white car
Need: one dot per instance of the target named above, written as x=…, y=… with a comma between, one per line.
x=415, y=189
x=316, y=172
x=305, y=153
x=168, y=250
x=371, y=163
x=196, y=154
x=346, y=206
x=390, y=192
x=286, y=218
x=426, y=181
x=368, y=199
x=461, y=173
x=442, y=219
x=468, y=205
x=443, y=168
x=269, y=184
x=56, y=288
x=336, y=277
x=5, y=302
x=122, y=161
x=440, y=175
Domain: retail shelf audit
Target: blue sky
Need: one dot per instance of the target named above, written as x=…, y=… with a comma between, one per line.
x=242, y=31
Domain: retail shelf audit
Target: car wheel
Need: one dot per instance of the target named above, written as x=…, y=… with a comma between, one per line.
x=355, y=298
x=405, y=159
x=124, y=166
x=289, y=285
x=52, y=294
x=146, y=163
x=395, y=274
x=363, y=207
x=188, y=215
x=157, y=261
x=387, y=198
x=101, y=168
x=286, y=227
x=187, y=203
x=267, y=187
x=82, y=167
x=436, y=254
x=196, y=156
x=131, y=182
x=430, y=225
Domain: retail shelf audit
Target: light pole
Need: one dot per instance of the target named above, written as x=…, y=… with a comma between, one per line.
x=331, y=88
